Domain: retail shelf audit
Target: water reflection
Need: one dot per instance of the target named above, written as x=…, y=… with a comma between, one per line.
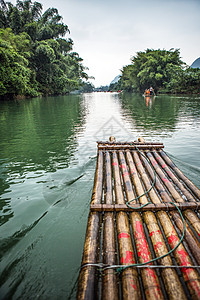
x=37, y=136
x=40, y=133
x=158, y=114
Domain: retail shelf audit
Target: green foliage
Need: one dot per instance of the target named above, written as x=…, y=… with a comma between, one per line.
x=37, y=58
x=115, y=86
x=161, y=69
x=87, y=87
x=15, y=76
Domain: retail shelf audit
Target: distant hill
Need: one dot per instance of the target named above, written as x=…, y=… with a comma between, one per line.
x=116, y=79
x=196, y=63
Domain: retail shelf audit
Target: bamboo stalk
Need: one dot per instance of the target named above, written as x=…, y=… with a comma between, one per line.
x=190, y=184
x=193, y=220
x=130, y=281
x=98, y=181
x=191, y=277
x=150, y=207
x=87, y=282
x=112, y=147
x=113, y=142
x=189, y=236
x=110, y=282
x=108, y=180
x=149, y=278
x=126, y=179
x=172, y=283
x=117, y=181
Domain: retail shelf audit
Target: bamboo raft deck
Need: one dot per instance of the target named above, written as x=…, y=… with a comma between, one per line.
x=119, y=235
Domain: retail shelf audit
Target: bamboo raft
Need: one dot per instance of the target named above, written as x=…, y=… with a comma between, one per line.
x=119, y=235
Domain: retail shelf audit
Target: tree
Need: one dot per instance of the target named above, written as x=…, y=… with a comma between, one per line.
x=39, y=38
x=87, y=87
x=15, y=76
x=51, y=26
x=152, y=67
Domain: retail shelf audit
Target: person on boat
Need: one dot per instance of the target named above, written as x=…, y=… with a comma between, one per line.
x=151, y=91
x=147, y=92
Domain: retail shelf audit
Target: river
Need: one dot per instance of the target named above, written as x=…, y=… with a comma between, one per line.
x=47, y=165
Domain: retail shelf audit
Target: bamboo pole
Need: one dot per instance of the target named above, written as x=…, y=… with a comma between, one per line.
x=190, y=184
x=110, y=280
x=113, y=147
x=193, y=220
x=169, y=276
x=150, y=280
x=98, y=181
x=191, y=277
x=117, y=180
x=108, y=180
x=190, y=215
x=150, y=207
x=87, y=283
x=130, y=281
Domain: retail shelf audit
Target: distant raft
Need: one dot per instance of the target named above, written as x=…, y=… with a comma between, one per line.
x=142, y=238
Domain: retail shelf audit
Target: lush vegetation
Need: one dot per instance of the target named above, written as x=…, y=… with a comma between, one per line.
x=162, y=69
x=36, y=58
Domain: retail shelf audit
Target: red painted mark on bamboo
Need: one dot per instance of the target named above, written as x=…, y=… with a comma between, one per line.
x=156, y=291
x=154, y=163
x=165, y=179
x=153, y=232
x=151, y=273
x=172, y=239
x=115, y=163
x=183, y=256
x=158, y=245
x=195, y=286
x=133, y=170
x=133, y=285
x=142, y=246
x=170, y=173
x=126, y=173
x=124, y=235
x=123, y=166
x=138, y=164
x=128, y=259
x=163, y=166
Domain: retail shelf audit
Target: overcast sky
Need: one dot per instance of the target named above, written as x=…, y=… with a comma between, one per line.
x=107, y=33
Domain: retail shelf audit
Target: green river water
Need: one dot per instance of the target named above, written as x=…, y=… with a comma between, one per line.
x=47, y=165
